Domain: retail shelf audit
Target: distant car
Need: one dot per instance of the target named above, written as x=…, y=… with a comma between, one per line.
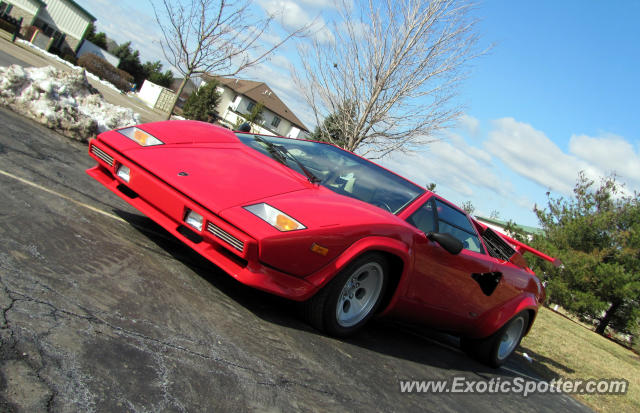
x=317, y=224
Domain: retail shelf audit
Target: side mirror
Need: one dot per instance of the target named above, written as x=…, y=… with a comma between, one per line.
x=447, y=241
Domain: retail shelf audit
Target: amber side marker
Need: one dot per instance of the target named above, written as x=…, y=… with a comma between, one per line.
x=319, y=249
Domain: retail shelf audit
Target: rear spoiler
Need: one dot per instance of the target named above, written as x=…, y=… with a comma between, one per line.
x=522, y=247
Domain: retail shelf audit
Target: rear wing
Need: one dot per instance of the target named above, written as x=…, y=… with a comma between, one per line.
x=498, y=246
x=522, y=247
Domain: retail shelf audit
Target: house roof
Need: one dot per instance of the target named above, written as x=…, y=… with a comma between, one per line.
x=261, y=93
x=82, y=9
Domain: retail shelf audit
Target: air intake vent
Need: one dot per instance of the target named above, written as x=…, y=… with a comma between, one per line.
x=497, y=246
x=102, y=155
x=225, y=236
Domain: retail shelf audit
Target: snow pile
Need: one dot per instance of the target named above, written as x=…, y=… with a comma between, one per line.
x=61, y=100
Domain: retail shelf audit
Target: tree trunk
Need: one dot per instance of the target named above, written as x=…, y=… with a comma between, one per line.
x=178, y=93
x=604, y=322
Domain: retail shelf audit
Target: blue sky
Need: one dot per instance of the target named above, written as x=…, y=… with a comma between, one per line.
x=557, y=94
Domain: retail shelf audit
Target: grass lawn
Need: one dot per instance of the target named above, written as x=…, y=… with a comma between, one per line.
x=563, y=348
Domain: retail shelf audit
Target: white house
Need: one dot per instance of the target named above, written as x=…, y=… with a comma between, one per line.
x=240, y=96
x=64, y=21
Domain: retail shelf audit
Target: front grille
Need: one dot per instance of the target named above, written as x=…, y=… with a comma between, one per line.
x=102, y=155
x=225, y=236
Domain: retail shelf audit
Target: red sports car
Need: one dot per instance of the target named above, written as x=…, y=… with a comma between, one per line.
x=314, y=223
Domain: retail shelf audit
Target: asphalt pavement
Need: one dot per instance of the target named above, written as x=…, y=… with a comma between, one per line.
x=102, y=310
x=7, y=59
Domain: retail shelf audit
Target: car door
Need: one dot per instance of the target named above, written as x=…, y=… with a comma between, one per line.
x=442, y=283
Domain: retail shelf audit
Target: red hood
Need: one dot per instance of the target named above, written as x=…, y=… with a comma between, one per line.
x=218, y=176
x=208, y=164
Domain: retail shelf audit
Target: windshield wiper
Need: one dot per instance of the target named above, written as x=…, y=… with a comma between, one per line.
x=273, y=150
x=282, y=152
x=310, y=176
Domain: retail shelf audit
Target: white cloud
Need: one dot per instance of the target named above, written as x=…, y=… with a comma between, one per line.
x=470, y=125
x=609, y=153
x=296, y=14
x=290, y=14
x=279, y=61
x=530, y=153
x=321, y=4
x=458, y=167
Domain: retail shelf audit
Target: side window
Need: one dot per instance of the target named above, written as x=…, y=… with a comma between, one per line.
x=424, y=218
x=456, y=223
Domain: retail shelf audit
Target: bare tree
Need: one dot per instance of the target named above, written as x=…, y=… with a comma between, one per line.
x=214, y=36
x=396, y=63
x=468, y=207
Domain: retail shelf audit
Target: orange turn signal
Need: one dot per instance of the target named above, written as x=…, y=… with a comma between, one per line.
x=319, y=249
x=284, y=223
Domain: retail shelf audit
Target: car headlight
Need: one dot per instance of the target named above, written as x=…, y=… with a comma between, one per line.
x=194, y=220
x=139, y=136
x=274, y=217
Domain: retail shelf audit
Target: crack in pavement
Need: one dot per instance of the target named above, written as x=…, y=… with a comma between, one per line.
x=263, y=378
x=9, y=350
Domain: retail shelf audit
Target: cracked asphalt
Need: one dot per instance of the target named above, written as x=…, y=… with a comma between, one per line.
x=104, y=311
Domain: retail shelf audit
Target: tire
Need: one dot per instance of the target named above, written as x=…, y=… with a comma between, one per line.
x=351, y=298
x=496, y=349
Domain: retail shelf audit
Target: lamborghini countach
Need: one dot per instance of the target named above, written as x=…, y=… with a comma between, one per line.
x=311, y=222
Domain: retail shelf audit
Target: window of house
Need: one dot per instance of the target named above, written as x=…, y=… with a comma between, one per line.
x=275, y=122
x=250, y=106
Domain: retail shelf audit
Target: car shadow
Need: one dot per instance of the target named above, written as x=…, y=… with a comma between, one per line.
x=404, y=341
x=542, y=362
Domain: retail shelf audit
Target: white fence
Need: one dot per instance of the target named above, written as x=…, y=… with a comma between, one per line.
x=156, y=96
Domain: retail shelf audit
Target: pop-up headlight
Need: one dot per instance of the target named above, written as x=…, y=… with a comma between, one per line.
x=139, y=136
x=275, y=217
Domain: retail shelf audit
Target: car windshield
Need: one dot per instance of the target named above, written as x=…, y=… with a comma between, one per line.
x=338, y=170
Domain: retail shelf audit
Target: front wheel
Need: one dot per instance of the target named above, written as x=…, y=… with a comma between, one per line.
x=349, y=300
x=495, y=349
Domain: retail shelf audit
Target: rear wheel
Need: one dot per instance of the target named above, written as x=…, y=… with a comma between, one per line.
x=495, y=349
x=349, y=300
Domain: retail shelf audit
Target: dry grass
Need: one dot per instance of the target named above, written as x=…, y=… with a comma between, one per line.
x=563, y=348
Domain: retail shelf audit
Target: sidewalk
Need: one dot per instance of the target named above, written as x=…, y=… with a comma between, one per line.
x=32, y=58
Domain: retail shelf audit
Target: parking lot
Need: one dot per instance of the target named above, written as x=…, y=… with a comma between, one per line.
x=102, y=310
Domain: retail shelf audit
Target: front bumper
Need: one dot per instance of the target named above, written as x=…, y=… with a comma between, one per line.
x=220, y=242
